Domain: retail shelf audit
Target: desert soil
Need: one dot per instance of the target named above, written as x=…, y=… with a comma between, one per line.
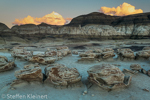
x=133, y=92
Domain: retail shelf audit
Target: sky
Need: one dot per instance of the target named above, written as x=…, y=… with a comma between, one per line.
x=14, y=12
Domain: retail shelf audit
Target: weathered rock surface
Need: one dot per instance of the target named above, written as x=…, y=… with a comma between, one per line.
x=75, y=52
x=98, y=50
x=136, y=67
x=87, y=56
x=127, y=54
x=62, y=47
x=31, y=66
x=50, y=53
x=145, y=54
x=3, y=27
x=65, y=52
x=30, y=73
x=42, y=60
x=97, y=54
x=59, y=74
x=93, y=25
x=20, y=52
x=130, y=71
x=108, y=76
x=108, y=54
x=6, y=65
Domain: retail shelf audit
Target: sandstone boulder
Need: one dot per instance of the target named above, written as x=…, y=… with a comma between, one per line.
x=143, y=54
x=87, y=56
x=83, y=54
x=6, y=65
x=65, y=52
x=130, y=71
x=126, y=54
x=20, y=52
x=97, y=54
x=108, y=76
x=62, y=47
x=136, y=67
x=88, y=53
x=87, y=59
x=107, y=49
x=108, y=54
x=59, y=54
x=31, y=66
x=98, y=50
x=39, y=55
x=33, y=73
x=42, y=60
x=50, y=53
x=75, y=52
x=59, y=74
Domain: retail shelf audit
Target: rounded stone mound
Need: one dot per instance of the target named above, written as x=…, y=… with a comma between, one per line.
x=108, y=76
x=59, y=74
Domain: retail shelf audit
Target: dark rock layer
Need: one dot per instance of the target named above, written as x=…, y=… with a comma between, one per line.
x=91, y=26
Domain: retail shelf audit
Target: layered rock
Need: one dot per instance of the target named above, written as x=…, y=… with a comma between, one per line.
x=6, y=65
x=26, y=29
x=136, y=67
x=126, y=54
x=30, y=73
x=94, y=25
x=42, y=60
x=3, y=27
x=75, y=52
x=144, y=54
x=20, y=52
x=108, y=76
x=103, y=54
x=87, y=56
x=62, y=47
x=59, y=74
x=108, y=53
x=63, y=51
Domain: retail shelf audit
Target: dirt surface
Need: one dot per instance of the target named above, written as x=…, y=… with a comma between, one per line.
x=133, y=92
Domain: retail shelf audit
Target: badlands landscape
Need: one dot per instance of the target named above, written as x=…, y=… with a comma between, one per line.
x=95, y=56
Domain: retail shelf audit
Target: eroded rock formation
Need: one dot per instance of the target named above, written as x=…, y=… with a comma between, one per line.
x=30, y=73
x=20, y=52
x=6, y=65
x=94, y=25
x=42, y=60
x=104, y=54
x=108, y=76
x=59, y=74
x=143, y=54
x=126, y=54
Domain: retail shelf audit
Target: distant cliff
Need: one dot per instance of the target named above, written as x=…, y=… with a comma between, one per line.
x=93, y=25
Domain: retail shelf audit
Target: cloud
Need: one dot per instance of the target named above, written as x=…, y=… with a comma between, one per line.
x=52, y=18
x=68, y=20
x=122, y=10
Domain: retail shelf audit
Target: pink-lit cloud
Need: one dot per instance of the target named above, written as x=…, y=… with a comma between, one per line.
x=122, y=10
x=52, y=18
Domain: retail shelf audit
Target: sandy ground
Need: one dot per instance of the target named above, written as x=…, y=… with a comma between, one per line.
x=133, y=92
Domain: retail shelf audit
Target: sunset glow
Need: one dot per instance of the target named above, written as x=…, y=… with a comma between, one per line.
x=122, y=10
x=53, y=18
